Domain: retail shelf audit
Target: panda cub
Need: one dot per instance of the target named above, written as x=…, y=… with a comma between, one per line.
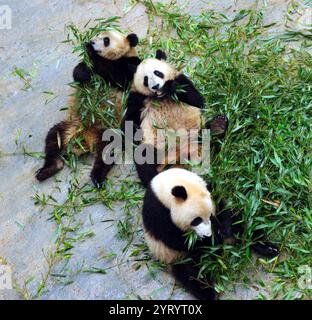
x=110, y=53
x=175, y=202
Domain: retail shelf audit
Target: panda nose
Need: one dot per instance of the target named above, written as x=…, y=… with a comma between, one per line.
x=156, y=87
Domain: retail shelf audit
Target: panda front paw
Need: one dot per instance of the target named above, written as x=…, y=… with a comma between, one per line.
x=89, y=49
x=170, y=88
x=81, y=73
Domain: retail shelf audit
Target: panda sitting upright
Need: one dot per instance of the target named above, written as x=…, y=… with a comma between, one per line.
x=110, y=54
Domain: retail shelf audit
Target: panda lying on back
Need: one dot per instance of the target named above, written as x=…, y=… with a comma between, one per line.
x=110, y=54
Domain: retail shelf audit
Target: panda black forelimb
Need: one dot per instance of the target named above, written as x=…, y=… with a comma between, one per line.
x=146, y=171
x=188, y=93
x=82, y=73
x=231, y=227
x=54, y=146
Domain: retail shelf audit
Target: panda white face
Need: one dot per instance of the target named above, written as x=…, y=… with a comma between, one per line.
x=151, y=76
x=187, y=197
x=202, y=228
x=113, y=45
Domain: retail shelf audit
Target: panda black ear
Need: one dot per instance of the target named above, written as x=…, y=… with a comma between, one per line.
x=160, y=55
x=133, y=39
x=179, y=192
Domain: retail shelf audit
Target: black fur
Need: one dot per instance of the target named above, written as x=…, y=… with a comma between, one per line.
x=53, y=150
x=100, y=169
x=187, y=93
x=135, y=103
x=183, y=89
x=187, y=275
x=231, y=228
x=161, y=55
x=218, y=126
x=133, y=39
x=115, y=72
x=263, y=247
x=157, y=221
x=147, y=171
x=82, y=73
x=179, y=192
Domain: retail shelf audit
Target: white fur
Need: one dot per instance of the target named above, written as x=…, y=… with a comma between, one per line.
x=118, y=46
x=204, y=229
x=198, y=203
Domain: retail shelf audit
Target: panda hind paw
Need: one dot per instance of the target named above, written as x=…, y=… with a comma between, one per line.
x=47, y=172
x=98, y=177
x=266, y=249
x=219, y=124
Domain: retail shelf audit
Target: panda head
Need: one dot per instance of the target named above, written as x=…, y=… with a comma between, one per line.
x=186, y=195
x=113, y=45
x=153, y=75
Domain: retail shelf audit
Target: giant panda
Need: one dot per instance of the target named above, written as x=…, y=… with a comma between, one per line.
x=110, y=55
x=177, y=201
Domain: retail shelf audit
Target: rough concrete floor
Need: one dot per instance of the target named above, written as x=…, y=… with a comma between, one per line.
x=26, y=234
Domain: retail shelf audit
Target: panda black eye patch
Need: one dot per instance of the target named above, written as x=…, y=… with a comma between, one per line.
x=145, y=81
x=196, y=221
x=159, y=74
x=106, y=41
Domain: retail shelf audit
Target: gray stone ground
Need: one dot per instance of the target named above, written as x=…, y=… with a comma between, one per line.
x=34, y=43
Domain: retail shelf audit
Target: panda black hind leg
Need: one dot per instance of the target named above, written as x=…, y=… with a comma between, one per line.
x=263, y=247
x=55, y=144
x=187, y=275
x=147, y=171
x=100, y=169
